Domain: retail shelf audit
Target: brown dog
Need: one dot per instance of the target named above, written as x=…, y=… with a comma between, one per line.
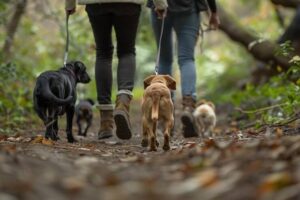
x=157, y=105
x=205, y=118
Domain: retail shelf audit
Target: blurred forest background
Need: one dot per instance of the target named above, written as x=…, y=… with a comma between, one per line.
x=251, y=62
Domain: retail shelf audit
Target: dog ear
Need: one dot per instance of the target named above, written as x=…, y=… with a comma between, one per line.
x=211, y=105
x=170, y=81
x=148, y=80
x=79, y=66
x=202, y=101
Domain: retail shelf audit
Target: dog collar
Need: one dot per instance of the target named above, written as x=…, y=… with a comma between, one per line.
x=71, y=72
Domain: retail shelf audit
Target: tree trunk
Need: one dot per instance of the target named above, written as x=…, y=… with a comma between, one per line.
x=12, y=27
x=262, y=50
x=287, y=3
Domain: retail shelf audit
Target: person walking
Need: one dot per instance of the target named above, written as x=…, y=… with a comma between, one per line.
x=182, y=16
x=123, y=16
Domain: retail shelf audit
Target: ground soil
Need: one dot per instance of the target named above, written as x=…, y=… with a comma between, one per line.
x=236, y=164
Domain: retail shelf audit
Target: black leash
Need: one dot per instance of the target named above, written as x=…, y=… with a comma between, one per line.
x=67, y=42
x=159, y=45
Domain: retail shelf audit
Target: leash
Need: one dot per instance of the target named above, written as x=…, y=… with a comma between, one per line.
x=159, y=45
x=202, y=31
x=67, y=42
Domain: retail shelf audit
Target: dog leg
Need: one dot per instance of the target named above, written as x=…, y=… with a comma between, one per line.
x=153, y=141
x=145, y=137
x=88, y=124
x=70, y=114
x=210, y=132
x=55, y=129
x=167, y=129
x=79, y=126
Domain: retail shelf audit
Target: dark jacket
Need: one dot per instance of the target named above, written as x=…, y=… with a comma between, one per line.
x=184, y=6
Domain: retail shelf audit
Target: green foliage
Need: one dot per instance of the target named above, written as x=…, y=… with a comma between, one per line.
x=285, y=49
x=275, y=100
x=15, y=95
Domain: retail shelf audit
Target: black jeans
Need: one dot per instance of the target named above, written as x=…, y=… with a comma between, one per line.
x=124, y=18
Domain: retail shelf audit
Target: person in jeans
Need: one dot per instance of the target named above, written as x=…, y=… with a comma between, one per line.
x=123, y=16
x=182, y=16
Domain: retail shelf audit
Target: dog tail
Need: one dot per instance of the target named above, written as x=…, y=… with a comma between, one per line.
x=155, y=106
x=48, y=94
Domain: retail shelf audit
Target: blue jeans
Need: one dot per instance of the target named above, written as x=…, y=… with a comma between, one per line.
x=186, y=27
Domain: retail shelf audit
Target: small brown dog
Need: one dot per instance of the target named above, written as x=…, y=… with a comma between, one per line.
x=157, y=105
x=205, y=118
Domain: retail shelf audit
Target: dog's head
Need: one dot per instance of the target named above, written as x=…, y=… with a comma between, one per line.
x=209, y=103
x=166, y=79
x=90, y=101
x=79, y=69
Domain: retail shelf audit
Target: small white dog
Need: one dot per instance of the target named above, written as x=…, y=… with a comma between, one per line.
x=205, y=118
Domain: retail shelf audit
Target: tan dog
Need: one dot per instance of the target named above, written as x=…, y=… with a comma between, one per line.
x=205, y=118
x=157, y=105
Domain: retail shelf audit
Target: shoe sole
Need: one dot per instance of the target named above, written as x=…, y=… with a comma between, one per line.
x=104, y=136
x=123, y=130
x=188, y=127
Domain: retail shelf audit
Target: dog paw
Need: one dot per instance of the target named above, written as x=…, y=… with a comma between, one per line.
x=144, y=143
x=153, y=149
x=157, y=143
x=71, y=140
x=166, y=147
x=56, y=138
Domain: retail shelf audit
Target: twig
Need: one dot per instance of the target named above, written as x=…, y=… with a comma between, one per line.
x=290, y=120
x=260, y=109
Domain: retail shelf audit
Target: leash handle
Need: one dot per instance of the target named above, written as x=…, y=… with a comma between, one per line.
x=159, y=45
x=67, y=42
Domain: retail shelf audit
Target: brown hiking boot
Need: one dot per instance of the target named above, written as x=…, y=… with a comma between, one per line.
x=187, y=119
x=106, y=121
x=121, y=116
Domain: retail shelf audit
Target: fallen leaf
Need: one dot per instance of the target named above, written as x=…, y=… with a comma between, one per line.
x=73, y=184
x=130, y=159
x=11, y=148
x=274, y=182
x=38, y=139
x=86, y=161
x=3, y=137
x=279, y=132
x=107, y=154
x=47, y=142
x=189, y=144
x=207, y=178
x=84, y=149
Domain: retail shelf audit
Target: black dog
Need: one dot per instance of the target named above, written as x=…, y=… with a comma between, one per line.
x=55, y=93
x=84, y=114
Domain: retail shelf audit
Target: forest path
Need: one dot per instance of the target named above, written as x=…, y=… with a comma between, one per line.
x=237, y=164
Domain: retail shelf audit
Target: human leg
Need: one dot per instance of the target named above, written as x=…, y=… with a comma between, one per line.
x=125, y=25
x=187, y=29
x=102, y=28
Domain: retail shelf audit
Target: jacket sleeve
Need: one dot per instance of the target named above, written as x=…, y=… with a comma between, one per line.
x=212, y=5
x=70, y=4
x=160, y=4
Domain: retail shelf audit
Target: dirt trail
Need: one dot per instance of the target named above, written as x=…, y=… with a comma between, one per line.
x=235, y=165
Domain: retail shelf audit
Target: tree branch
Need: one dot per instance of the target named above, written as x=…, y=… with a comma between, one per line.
x=287, y=3
x=12, y=27
x=262, y=50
